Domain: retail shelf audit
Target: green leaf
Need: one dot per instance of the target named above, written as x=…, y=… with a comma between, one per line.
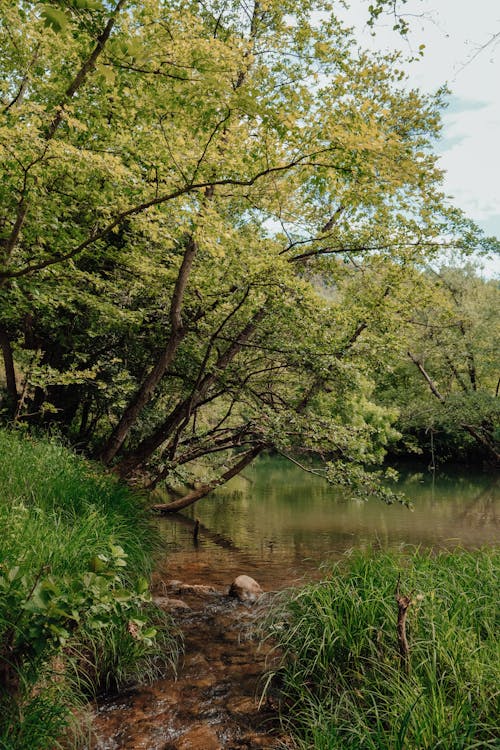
x=87, y=4
x=54, y=18
x=122, y=595
x=141, y=585
x=13, y=572
x=117, y=551
x=97, y=564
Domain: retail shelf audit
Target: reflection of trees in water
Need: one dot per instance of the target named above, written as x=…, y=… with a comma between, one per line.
x=483, y=509
x=203, y=531
x=285, y=516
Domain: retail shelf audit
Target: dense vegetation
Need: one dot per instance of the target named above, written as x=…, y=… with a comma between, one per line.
x=218, y=224
x=443, y=373
x=343, y=681
x=75, y=611
x=214, y=227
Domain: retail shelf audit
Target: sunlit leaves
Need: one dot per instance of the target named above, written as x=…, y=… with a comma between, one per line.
x=298, y=166
x=55, y=18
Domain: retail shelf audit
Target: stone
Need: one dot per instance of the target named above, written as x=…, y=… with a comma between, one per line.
x=242, y=705
x=177, y=587
x=200, y=737
x=167, y=603
x=177, y=604
x=245, y=588
x=253, y=741
x=174, y=584
x=198, y=588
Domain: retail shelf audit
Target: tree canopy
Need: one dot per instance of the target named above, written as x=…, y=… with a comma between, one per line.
x=210, y=213
x=444, y=373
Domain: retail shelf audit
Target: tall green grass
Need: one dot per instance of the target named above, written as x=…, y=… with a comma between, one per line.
x=76, y=550
x=342, y=681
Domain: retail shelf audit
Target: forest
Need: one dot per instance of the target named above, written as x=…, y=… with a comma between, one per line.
x=223, y=233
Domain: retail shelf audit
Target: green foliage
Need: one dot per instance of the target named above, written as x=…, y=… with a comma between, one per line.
x=209, y=223
x=52, y=607
x=39, y=721
x=75, y=551
x=343, y=684
x=446, y=389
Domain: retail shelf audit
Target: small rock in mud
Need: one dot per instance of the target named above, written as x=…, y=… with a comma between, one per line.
x=254, y=741
x=200, y=737
x=245, y=589
x=187, y=588
x=242, y=705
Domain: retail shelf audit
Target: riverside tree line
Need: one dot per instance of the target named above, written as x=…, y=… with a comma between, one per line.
x=221, y=226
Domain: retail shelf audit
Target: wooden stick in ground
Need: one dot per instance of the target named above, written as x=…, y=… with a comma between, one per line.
x=403, y=603
x=196, y=530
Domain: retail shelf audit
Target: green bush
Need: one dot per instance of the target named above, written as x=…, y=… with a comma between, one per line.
x=75, y=609
x=343, y=682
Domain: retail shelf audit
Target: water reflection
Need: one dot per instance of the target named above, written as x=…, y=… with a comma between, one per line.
x=280, y=522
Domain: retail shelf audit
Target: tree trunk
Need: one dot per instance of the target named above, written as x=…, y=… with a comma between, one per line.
x=426, y=377
x=178, y=332
x=84, y=71
x=145, y=449
x=481, y=439
x=75, y=85
x=10, y=374
x=150, y=383
x=192, y=497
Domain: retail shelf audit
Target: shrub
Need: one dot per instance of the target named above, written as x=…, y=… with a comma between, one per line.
x=75, y=609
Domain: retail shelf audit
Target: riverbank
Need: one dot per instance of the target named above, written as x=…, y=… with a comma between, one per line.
x=63, y=521
x=394, y=651
x=76, y=617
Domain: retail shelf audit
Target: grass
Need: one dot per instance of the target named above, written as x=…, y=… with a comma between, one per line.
x=76, y=551
x=342, y=682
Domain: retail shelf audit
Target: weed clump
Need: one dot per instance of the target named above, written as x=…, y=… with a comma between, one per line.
x=343, y=681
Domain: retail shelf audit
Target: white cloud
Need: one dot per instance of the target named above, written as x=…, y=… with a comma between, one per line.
x=472, y=161
x=455, y=33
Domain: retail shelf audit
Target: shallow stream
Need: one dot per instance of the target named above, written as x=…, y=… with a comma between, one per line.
x=277, y=524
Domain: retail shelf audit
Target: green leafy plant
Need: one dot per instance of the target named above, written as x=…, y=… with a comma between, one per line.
x=76, y=614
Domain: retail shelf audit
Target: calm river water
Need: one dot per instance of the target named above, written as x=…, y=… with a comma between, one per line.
x=278, y=523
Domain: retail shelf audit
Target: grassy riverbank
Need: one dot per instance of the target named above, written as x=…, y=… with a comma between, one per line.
x=344, y=683
x=75, y=613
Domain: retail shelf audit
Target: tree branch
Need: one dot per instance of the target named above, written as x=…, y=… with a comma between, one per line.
x=205, y=489
x=100, y=234
x=426, y=377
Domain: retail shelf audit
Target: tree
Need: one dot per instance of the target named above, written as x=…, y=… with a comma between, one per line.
x=186, y=191
x=448, y=387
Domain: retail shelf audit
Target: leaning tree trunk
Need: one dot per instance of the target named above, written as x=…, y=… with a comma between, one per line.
x=484, y=440
x=10, y=374
x=155, y=375
x=136, y=458
x=192, y=497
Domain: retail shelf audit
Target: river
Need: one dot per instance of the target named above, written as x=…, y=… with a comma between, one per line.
x=277, y=524
x=280, y=522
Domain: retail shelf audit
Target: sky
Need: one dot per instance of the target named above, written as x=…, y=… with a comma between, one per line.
x=455, y=33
